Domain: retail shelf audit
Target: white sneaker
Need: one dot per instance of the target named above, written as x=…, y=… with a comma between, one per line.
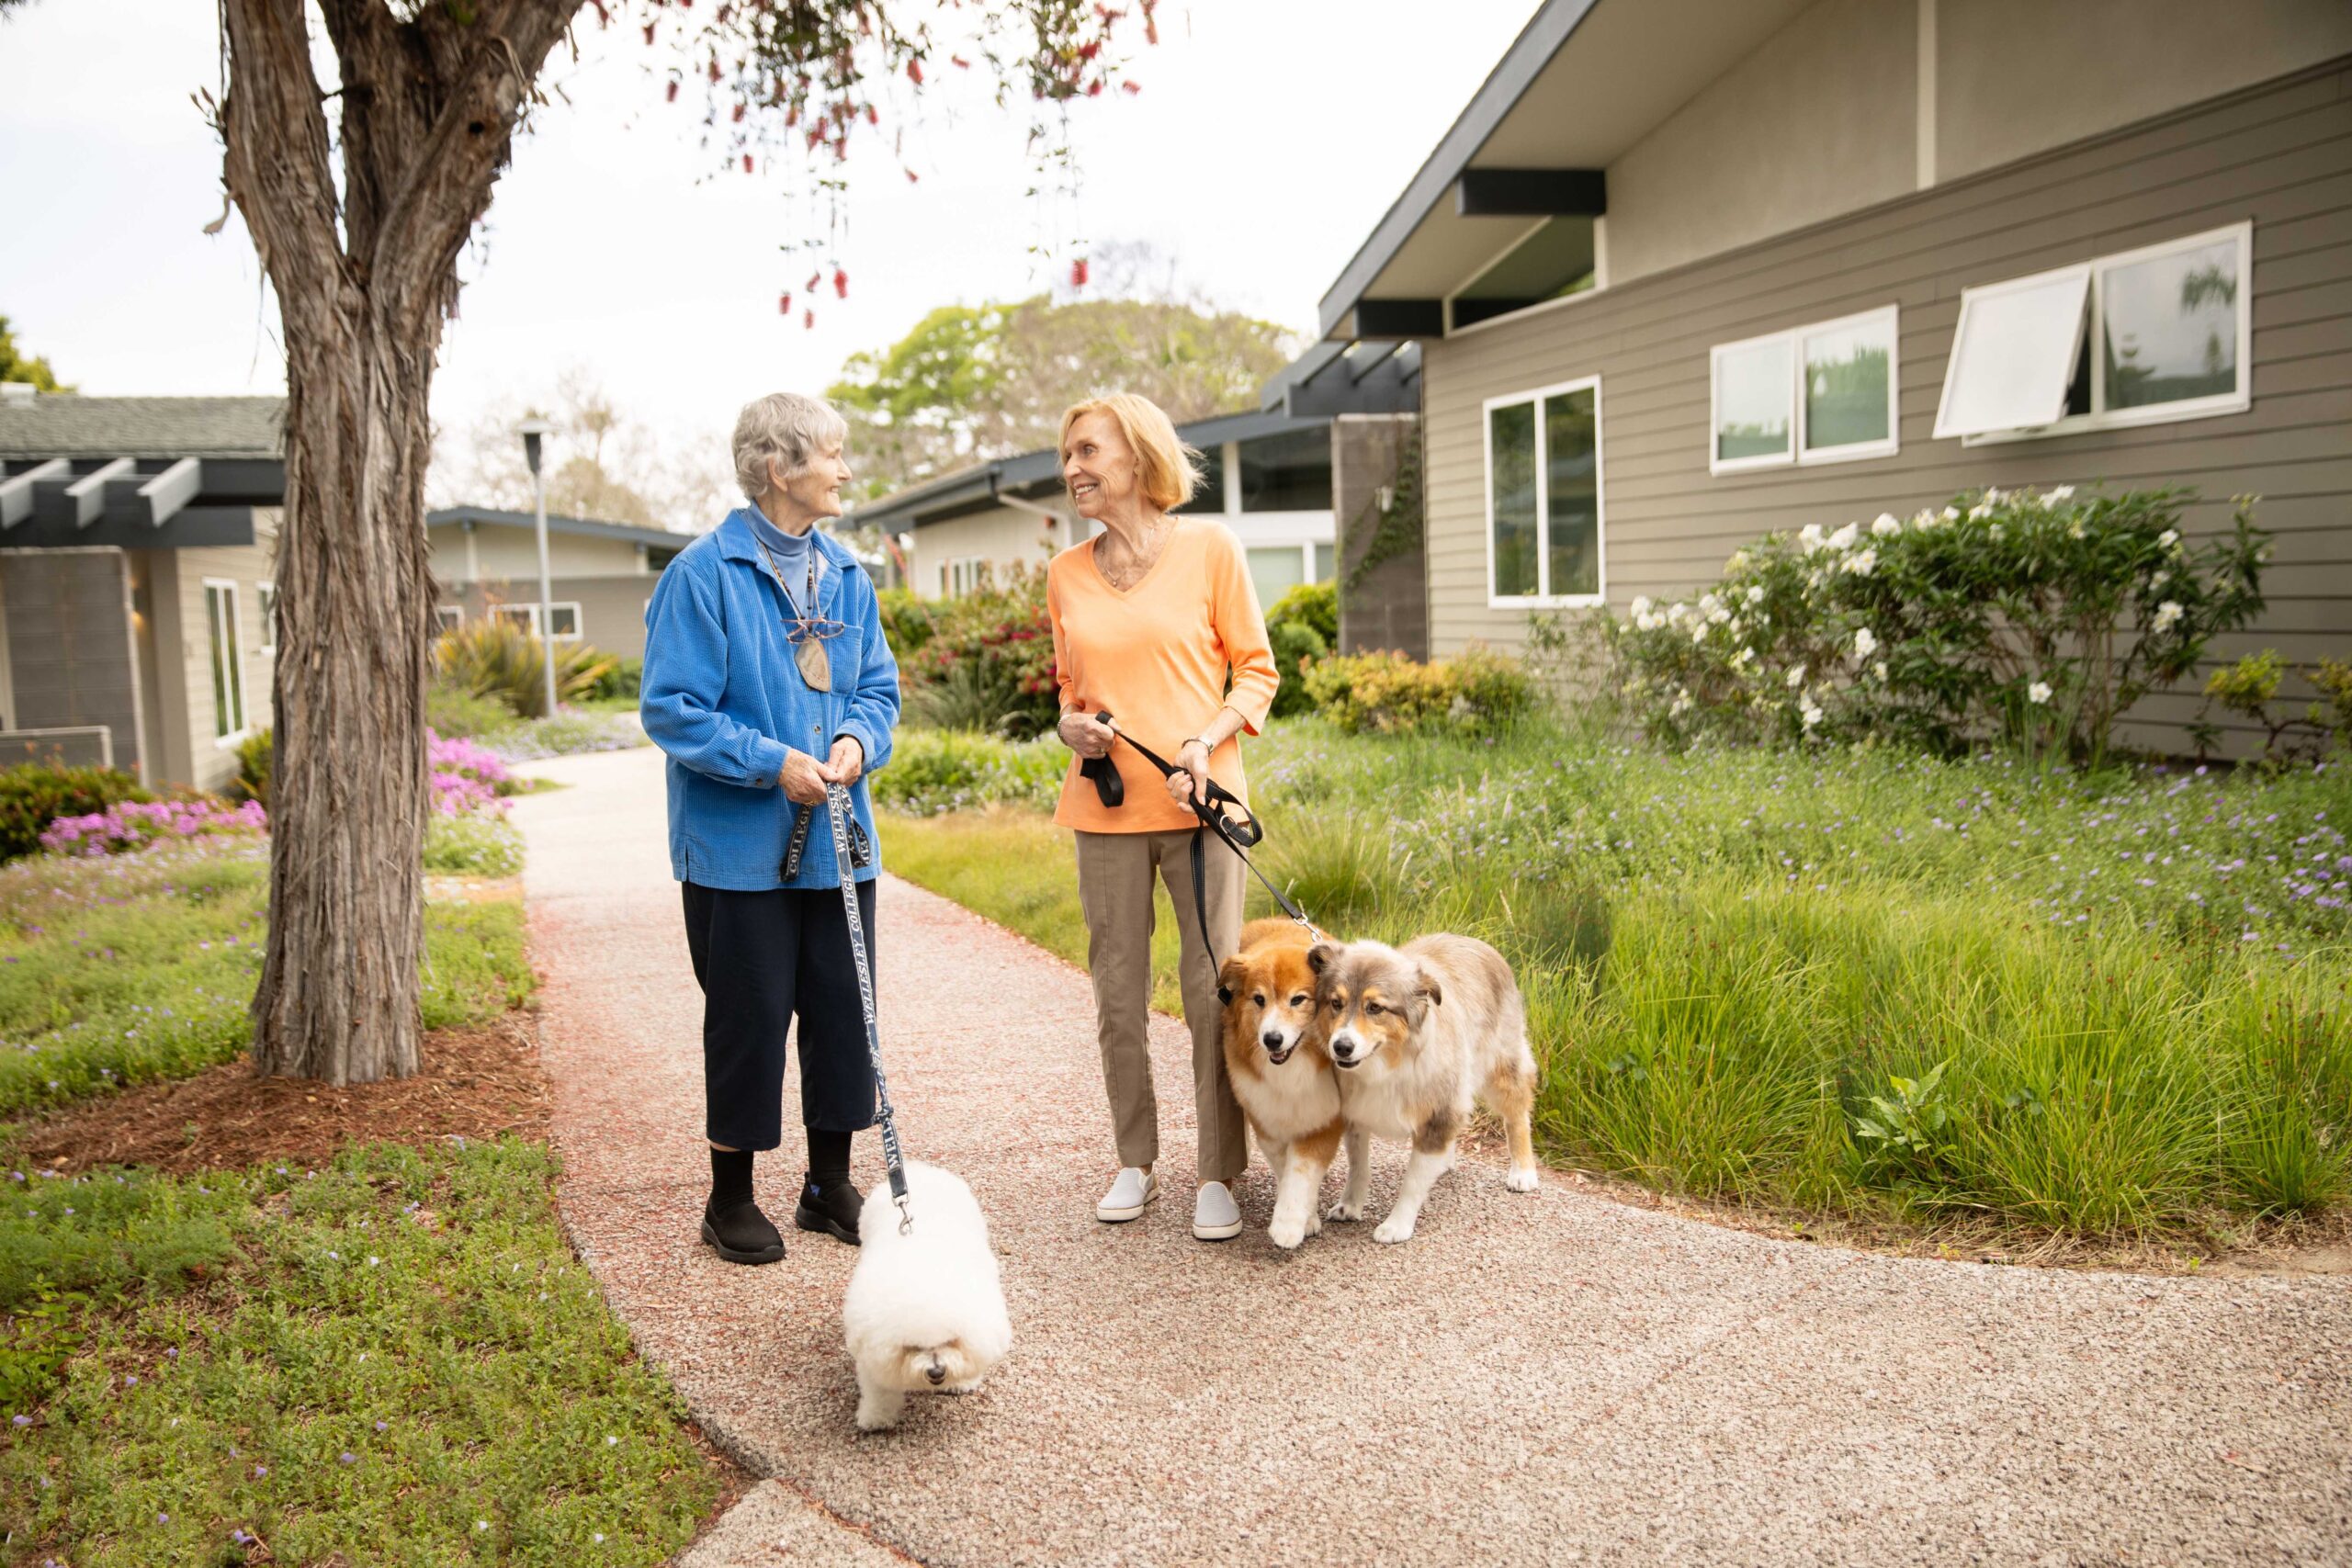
x=1215, y=1217
x=1127, y=1196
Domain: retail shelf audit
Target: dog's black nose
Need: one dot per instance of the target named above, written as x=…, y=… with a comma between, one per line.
x=937, y=1375
x=1273, y=1038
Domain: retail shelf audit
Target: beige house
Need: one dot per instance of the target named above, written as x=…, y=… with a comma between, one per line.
x=1267, y=476
x=136, y=542
x=601, y=574
x=1688, y=271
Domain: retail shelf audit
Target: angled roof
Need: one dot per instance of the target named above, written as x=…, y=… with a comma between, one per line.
x=586, y=528
x=68, y=424
x=1582, y=82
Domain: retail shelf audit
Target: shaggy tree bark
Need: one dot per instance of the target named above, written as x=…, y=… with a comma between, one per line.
x=427, y=109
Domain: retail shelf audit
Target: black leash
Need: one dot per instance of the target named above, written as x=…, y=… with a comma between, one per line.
x=1239, y=836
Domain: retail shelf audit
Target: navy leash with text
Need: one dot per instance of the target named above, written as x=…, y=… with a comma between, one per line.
x=837, y=811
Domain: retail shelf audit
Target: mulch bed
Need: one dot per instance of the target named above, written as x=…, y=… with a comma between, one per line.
x=475, y=1083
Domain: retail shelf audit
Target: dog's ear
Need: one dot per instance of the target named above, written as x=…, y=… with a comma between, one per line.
x=1229, y=978
x=1322, y=955
x=1425, y=985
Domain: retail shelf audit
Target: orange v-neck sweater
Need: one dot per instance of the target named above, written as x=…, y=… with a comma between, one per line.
x=1156, y=656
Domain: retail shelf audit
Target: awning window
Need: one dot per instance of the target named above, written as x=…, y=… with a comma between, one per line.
x=2013, y=354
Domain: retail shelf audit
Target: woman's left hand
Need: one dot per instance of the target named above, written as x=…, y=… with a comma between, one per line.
x=1191, y=782
x=847, y=762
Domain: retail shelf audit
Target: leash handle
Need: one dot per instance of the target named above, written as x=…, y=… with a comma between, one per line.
x=1238, y=837
x=837, y=812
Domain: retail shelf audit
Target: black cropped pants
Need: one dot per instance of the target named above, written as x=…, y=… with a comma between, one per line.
x=763, y=958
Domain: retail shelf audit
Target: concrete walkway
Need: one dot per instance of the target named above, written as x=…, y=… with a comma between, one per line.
x=1546, y=1379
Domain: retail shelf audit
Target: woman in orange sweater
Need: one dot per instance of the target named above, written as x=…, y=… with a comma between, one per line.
x=1149, y=617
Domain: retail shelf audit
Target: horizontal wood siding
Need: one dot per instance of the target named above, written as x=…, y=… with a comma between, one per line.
x=2281, y=157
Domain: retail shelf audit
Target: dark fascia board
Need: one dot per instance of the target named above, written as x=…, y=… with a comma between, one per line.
x=1526, y=58
x=586, y=528
x=1398, y=318
x=1531, y=193
x=1387, y=381
x=191, y=527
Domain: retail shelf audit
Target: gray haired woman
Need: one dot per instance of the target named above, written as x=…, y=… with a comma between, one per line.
x=767, y=679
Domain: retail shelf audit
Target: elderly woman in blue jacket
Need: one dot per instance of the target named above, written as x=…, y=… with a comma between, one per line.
x=767, y=679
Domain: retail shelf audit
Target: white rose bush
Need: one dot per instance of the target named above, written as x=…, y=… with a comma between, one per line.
x=2034, y=619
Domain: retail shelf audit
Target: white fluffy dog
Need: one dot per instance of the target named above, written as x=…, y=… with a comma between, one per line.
x=925, y=1311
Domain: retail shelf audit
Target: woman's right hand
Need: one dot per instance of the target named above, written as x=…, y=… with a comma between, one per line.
x=802, y=782
x=1085, y=734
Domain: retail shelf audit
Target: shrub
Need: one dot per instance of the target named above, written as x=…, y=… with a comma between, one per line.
x=450, y=710
x=34, y=795
x=907, y=621
x=134, y=825
x=933, y=771
x=254, y=755
x=2035, y=619
x=479, y=843
x=621, y=683
x=565, y=734
x=494, y=657
x=989, y=665
x=1476, y=694
x=1303, y=626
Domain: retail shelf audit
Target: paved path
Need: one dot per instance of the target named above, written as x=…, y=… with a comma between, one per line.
x=1546, y=1379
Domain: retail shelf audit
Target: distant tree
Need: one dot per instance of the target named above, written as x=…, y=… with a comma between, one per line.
x=605, y=464
x=15, y=366
x=975, y=382
x=359, y=194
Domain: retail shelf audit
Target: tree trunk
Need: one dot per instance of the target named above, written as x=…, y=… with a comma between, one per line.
x=365, y=269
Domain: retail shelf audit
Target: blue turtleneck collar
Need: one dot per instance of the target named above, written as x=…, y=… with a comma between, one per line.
x=793, y=552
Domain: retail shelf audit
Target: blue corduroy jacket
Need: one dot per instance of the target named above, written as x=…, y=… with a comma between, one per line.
x=723, y=697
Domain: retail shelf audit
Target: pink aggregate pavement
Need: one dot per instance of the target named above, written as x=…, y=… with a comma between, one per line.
x=1544, y=1377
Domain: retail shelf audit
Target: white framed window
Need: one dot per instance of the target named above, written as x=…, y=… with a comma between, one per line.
x=227, y=648
x=1821, y=393
x=1543, y=510
x=266, y=597
x=449, y=617
x=963, y=575
x=2145, y=336
x=563, y=612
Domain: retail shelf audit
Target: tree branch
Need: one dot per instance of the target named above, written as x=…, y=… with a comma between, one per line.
x=274, y=138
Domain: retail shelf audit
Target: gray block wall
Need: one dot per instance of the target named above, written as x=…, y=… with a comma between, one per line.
x=71, y=657
x=1389, y=609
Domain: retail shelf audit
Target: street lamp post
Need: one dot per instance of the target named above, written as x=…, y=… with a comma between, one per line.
x=532, y=431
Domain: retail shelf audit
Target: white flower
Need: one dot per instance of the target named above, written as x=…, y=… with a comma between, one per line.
x=1862, y=563
x=1980, y=511
x=2167, y=614
x=1649, y=621
x=1640, y=606
x=1698, y=631
x=2064, y=493
x=1676, y=613
x=1731, y=628
x=1952, y=514
x=2169, y=538
x=1992, y=496
x=1865, y=644
x=1995, y=531
x=2075, y=529
x=1741, y=659
x=1810, y=537
x=1796, y=677
x=1808, y=710
x=1682, y=704
x=1879, y=668
x=1718, y=615
x=1925, y=518
x=1737, y=562
x=1843, y=539
x=1756, y=595
x=2038, y=692
x=1885, y=525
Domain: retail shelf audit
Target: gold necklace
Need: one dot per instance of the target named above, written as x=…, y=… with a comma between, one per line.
x=1137, y=566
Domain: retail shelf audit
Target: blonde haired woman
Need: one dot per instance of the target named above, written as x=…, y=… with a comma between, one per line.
x=1150, y=617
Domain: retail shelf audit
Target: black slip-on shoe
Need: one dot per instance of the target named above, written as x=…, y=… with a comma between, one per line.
x=742, y=1234
x=833, y=1211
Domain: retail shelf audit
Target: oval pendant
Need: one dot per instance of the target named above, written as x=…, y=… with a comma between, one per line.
x=816, y=664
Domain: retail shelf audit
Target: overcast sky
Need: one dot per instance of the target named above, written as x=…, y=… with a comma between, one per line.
x=1269, y=137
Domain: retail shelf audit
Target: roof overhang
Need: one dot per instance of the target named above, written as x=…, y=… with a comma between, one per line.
x=134, y=502
x=1580, y=84
x=1334, y=378
x=582, y=527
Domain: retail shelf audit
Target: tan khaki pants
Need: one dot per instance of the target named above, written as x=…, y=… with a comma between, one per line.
x=1114, y=874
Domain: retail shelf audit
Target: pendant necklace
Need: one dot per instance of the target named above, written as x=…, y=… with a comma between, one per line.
x=809, y=653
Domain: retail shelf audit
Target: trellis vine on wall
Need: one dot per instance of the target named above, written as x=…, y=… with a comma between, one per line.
x=1398, y=532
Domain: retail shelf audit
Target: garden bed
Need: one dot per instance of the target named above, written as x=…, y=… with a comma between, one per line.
x=2134, y=981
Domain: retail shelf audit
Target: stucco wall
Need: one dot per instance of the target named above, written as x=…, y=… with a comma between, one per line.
x=71, y=660
x=1819, y=121
x=999, y=535
x=512, y=554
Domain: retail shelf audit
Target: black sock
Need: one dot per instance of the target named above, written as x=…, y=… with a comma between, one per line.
x=730, y=1178
x=828, y=1159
